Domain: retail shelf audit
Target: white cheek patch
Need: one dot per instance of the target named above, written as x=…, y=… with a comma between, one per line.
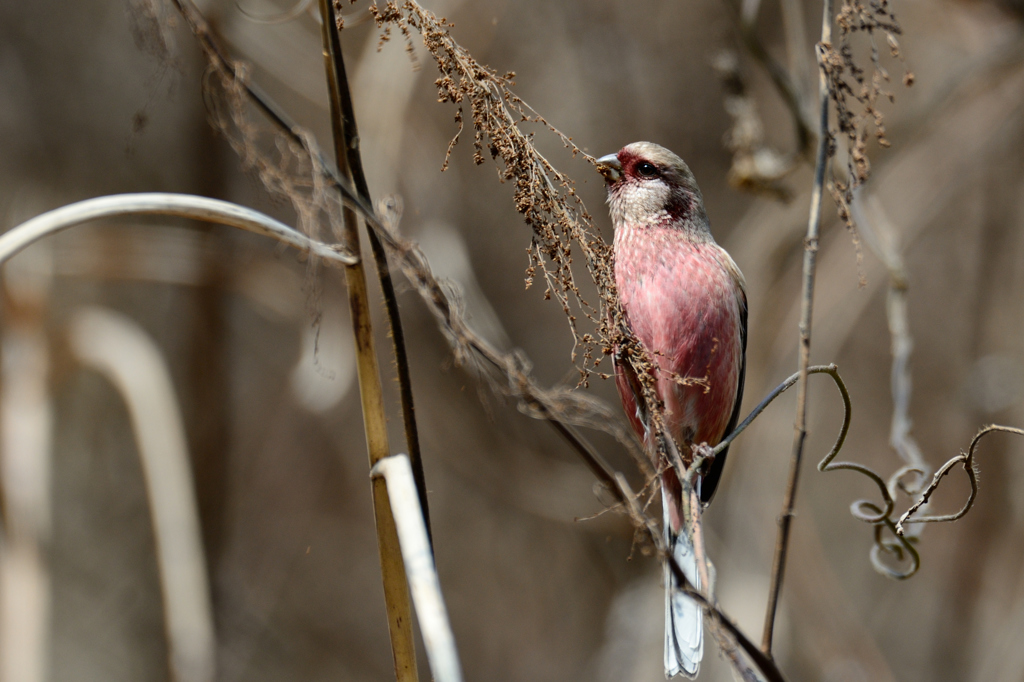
x=639, y=202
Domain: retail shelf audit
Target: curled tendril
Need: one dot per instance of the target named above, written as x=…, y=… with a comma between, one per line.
x=897, y=546
x=967, y=459
x=891, y=541
x=833, y=371
x=863, y=510
x=891, y=538
x=898, y=481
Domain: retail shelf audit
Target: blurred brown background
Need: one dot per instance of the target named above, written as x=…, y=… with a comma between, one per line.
x=274, y=430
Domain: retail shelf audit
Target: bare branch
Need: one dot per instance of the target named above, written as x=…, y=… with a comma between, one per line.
x=831, y=370
x=806, y=308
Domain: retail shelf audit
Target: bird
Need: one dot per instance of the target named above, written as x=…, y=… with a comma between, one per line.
x=684, y=298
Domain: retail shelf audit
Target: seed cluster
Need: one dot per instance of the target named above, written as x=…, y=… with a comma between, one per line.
x=545, y=197
x=856, y=93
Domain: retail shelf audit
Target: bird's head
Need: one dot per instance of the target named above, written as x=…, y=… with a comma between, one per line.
x=650, y=186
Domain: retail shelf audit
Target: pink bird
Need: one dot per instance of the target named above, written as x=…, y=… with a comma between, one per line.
x=684, y=299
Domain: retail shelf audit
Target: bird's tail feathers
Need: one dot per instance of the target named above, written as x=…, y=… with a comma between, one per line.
x=684, y=622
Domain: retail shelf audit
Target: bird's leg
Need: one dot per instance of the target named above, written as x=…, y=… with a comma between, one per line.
x=703, y=456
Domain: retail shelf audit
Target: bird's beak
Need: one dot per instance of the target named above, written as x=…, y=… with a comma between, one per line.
x=610, y=168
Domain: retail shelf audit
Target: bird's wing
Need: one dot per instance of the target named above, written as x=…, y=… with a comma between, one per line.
x=710, y=481
x=631, y=393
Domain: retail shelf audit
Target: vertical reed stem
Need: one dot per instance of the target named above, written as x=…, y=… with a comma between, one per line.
x=396, y=588
x=350, y=136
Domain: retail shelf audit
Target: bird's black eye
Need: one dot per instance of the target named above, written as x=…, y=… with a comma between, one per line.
x=647, y=170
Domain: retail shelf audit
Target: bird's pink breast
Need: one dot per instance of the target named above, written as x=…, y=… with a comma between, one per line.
x=683, y=305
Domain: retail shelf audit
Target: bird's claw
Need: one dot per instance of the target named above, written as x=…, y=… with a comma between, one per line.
x=703, y=457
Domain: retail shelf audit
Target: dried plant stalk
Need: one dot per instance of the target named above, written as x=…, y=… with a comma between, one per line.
x=396, y=587
x=101, y=340
x=419, y=558
x=129, y=358
x=806, y=309
x=347, y=139
x=160, y=203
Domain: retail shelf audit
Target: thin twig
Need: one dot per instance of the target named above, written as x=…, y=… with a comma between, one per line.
x=725, y=629
x=695, y=527
x=972, y=476
x=618, y=486
x=806, y=308
x=219, y=59
x=779, y=390
x=863, y=510
x=468, y=347
x=396, y=588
